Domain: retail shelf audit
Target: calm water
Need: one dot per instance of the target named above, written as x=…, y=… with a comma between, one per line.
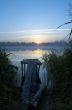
x=18, y=55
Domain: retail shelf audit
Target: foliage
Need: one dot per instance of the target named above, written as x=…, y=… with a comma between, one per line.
x=60, y=72
x=7, y=78
x=7, y=70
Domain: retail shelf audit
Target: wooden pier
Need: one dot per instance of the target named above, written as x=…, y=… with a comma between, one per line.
x=25, y=65
x=31, y=89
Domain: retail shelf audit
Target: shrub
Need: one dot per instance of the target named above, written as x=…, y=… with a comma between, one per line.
x=59, y=70
x=7, y=86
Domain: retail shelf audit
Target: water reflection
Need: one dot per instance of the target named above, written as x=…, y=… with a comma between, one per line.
x=28, y=54
x=17, y=56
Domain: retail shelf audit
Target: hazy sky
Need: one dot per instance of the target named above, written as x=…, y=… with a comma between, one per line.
x=33, y=20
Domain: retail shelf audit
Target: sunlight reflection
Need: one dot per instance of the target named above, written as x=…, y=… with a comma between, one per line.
x=27, y=54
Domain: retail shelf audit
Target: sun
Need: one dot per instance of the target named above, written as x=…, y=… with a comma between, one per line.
x=38, y=39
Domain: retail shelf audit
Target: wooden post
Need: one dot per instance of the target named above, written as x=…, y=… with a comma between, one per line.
x=22, y=73
x=24, y=70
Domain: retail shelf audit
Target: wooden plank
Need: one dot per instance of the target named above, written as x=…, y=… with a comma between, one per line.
x=25, y=61
x=34, y=83
x=35, y=79
x=37, y=96
x=26, y=87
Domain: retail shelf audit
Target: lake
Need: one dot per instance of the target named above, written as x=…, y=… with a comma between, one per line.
x=18, y=55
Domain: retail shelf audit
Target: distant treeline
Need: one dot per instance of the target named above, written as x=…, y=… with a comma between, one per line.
x=57, y=43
